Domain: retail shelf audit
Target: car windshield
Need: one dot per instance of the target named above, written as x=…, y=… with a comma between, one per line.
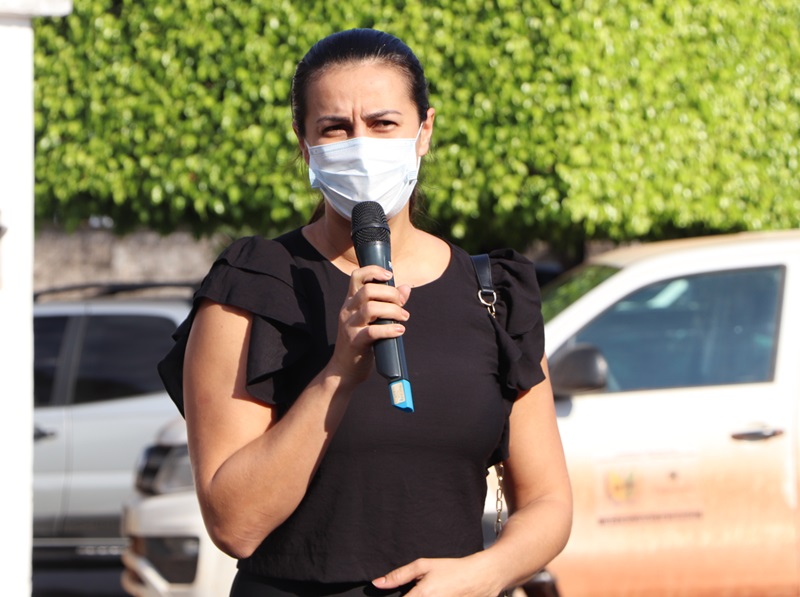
x=568, y=288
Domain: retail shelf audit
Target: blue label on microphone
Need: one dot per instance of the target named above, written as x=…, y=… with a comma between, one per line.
x=400, y=391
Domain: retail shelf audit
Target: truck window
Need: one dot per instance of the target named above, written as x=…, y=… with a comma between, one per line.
x=708, y=329
x=119, y=356
x=48, y=334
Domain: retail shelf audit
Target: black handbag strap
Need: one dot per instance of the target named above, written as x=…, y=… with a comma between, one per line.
x=488, y=297
x=483, y=270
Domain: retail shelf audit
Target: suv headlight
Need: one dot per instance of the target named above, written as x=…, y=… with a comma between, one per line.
x=165, y=469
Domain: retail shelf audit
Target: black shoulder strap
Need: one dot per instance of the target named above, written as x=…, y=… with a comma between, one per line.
x=483, y=270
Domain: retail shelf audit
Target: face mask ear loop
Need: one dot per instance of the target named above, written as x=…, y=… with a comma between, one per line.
x=311, y=176
x=419, y=134
x=416, y=139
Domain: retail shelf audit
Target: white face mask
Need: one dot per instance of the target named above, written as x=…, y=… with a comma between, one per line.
x=365, y=169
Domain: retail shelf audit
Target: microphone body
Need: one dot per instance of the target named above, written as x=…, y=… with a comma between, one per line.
x=370, y=233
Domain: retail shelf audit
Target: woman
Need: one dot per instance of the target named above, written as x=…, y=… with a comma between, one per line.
x=303, y=469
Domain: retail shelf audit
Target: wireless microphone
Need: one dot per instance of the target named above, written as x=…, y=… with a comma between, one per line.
x=370, y=234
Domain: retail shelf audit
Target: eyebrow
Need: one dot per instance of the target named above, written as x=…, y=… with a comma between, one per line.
x=371, y=116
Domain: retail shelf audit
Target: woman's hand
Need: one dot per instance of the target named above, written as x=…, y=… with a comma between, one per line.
x=367, y=302
x=471, y=576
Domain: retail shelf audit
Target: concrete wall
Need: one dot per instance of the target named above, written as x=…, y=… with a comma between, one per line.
x=89, y=256
x=98, y=255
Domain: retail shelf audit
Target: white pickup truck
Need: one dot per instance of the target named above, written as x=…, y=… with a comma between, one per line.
x=676, y=368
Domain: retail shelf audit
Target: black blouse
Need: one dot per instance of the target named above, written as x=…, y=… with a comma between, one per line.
x=393, y=486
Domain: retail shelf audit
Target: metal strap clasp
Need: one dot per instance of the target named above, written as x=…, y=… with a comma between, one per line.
x=488, y=298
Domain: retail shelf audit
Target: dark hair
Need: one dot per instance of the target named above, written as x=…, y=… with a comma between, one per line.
x=353, y=46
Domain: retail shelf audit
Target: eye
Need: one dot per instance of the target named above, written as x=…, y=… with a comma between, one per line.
x=334, y=129
x=384, y=124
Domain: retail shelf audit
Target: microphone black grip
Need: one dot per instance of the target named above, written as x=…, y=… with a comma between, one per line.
x=371, y=241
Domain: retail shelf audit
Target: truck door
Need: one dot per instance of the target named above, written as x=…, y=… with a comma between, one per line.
x=683, y=470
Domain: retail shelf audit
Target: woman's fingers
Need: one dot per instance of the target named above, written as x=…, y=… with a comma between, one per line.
x=433, y=577
x=370, y=309
x=369, y=302
x=365, y=275
x=361, y=319
x=403, y=575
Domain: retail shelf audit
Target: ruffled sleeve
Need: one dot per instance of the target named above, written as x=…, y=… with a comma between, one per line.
x=519, y=329
x=519, y=324
x=256, y=275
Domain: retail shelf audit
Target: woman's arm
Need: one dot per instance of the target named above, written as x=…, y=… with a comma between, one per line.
x=536, y=486
x=538, y=492
x=251, y=470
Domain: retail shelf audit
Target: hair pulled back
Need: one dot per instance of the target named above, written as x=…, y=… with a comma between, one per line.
x=351, y=47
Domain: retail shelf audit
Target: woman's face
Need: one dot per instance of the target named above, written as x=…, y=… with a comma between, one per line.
x=362, y=100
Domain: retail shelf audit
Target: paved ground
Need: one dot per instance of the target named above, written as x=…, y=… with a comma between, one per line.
x=85, y=582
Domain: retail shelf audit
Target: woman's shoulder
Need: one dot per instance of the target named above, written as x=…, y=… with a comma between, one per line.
x=509, y=258
x=513, y=277
x=260, y=256
x=508, y=265
x=259, y=253
x=250, y=269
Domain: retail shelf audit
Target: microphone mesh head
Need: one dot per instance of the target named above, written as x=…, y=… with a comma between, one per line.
x=369, y=223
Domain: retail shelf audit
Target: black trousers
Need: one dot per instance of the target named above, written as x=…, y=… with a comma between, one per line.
x=252, y=585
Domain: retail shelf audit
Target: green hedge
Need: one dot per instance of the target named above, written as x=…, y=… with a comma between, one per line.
x=557, y=120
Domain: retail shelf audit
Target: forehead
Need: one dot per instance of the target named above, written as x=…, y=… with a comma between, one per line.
x=362, y=85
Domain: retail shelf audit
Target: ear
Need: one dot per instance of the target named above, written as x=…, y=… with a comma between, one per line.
x=301, y=142
x=426, y=133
